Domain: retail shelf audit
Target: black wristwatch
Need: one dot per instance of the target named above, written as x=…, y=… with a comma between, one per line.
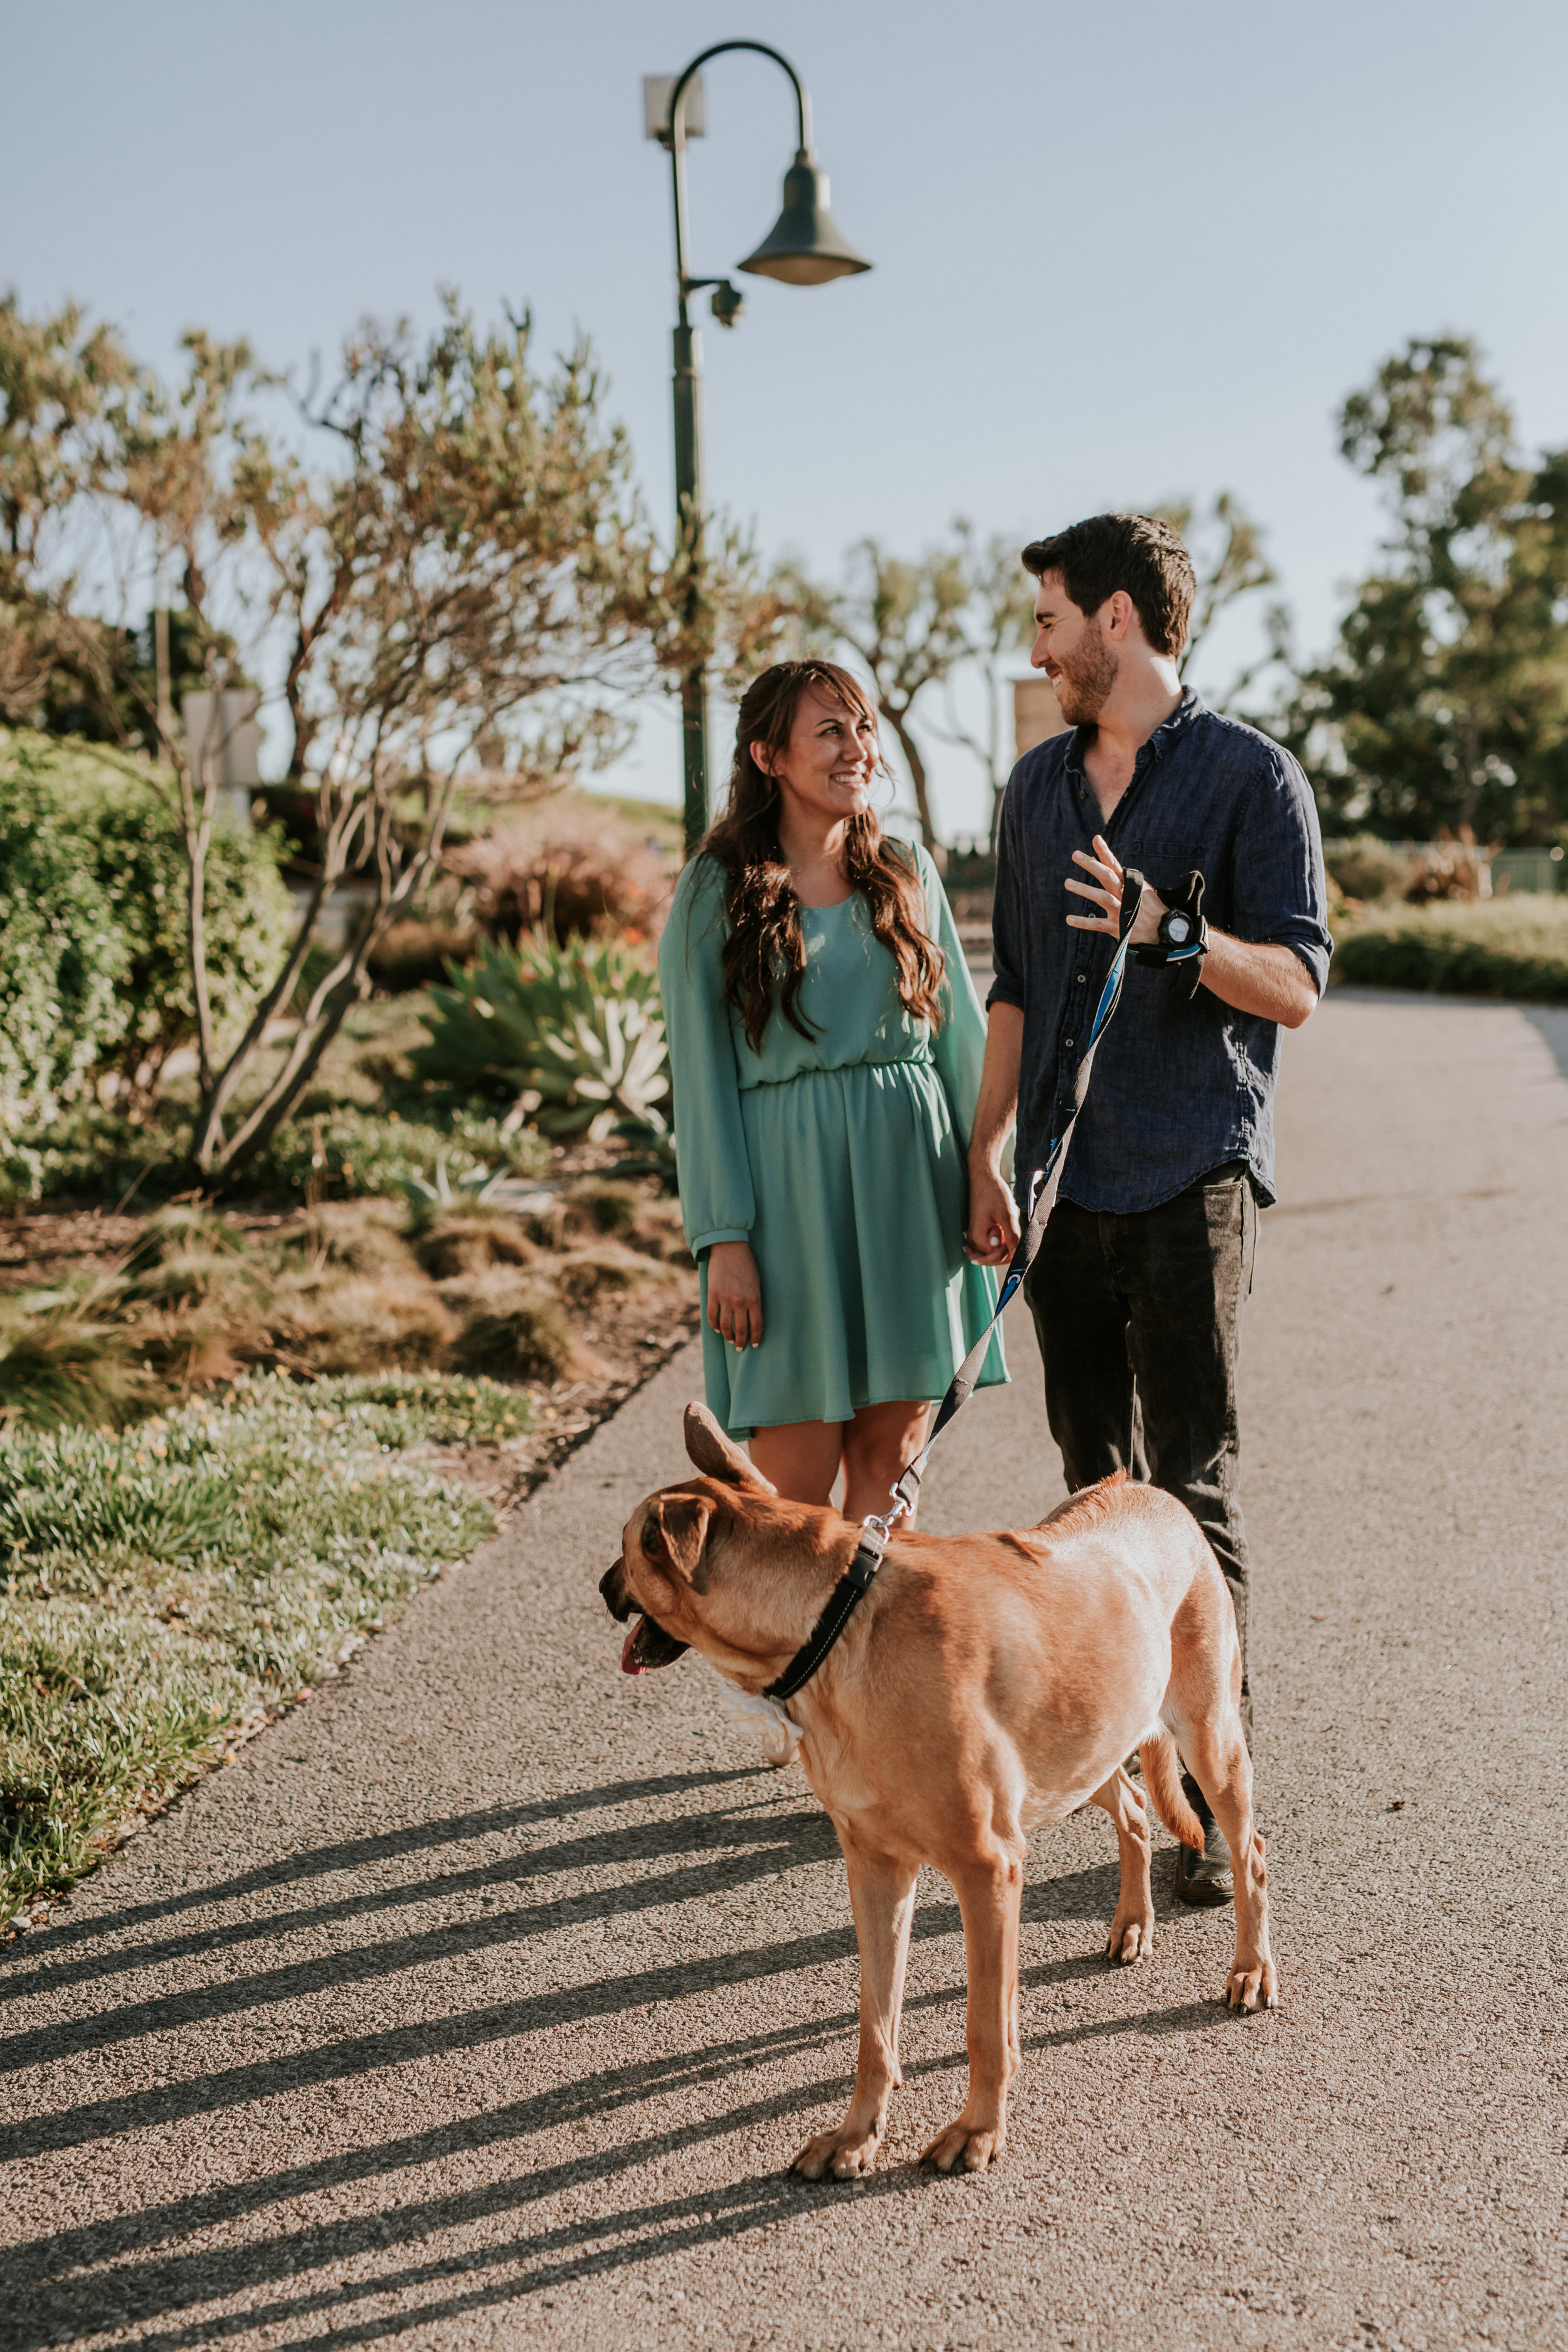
x=1182, y=936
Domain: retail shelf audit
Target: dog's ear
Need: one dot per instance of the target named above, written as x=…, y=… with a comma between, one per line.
x=674, y=1535
x=716, y=1456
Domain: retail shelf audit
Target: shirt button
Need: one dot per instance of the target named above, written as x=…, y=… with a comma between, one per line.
x=1066, y=1040
x=1081, y=978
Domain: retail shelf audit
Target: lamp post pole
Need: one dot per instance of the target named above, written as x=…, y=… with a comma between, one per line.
x=803, y=249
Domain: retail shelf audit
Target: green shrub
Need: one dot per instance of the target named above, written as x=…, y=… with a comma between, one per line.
x=372, y=1152
x=1366, y=868
x=573, y=1034
x=64, y=963
x=1499, y=948
x=94, y=1154
x=94, y=970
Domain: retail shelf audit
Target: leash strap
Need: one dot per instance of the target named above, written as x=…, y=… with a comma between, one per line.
x=841, y=1603
x=859, y=1576
x=1044, y=1186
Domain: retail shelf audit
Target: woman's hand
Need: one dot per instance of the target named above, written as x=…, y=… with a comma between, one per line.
x=735, y=1294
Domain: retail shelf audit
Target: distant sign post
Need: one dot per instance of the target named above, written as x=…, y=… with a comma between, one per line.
x=1037, y=713
x=224, y=738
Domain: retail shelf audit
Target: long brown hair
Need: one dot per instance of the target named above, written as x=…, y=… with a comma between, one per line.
x=764, y=955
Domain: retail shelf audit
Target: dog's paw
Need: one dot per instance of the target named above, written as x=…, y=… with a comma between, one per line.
x=1130, y=1940
x=1252, y=1986
x=843, y=2155
x=963, y=2149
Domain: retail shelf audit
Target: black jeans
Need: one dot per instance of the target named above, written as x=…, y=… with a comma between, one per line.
x=1138, y=1320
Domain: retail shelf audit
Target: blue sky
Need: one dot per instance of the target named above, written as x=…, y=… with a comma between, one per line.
x=1122, y=254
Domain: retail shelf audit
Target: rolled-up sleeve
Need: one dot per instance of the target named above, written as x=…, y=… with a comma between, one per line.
x=1007, y=908
x=1278, y=894
x=716, y=1202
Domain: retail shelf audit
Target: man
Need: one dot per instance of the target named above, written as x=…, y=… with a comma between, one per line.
x=1137, y=1289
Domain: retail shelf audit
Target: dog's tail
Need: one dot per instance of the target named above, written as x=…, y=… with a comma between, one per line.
x=1163, y=1779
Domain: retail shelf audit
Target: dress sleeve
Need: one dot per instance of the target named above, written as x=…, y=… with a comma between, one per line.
x=715, y=1174
x=958, y=1048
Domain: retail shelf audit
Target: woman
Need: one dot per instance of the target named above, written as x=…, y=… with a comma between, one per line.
x=826, y=1043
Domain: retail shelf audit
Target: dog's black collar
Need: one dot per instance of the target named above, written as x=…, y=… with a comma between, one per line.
x=842, y=1602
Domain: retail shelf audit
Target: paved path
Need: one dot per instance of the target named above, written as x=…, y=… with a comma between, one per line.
x=484, y=2002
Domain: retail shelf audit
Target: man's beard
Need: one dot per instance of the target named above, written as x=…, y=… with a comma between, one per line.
x=1084, y=680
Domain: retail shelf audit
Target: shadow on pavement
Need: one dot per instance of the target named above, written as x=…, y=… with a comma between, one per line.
x=1551, y=1021
x=171, y=2102
x=162, y=2287
x=781, y=1843
x=355, y=1853
x=132, y=2268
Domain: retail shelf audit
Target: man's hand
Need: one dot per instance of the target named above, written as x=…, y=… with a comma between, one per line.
x=991, y=1234
x=1104, y=892
x=735, y=1294
x=1260, y=977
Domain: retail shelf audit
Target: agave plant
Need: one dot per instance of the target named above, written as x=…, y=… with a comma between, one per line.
x=574, y=1033
x=476, y=1186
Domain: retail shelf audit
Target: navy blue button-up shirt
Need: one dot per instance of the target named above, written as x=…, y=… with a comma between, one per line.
x=1180, y=1085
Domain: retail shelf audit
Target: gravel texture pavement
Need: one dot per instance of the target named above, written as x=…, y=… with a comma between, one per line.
x=485, y=1999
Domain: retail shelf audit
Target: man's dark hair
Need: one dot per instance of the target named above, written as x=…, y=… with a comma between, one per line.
x=1133, y=551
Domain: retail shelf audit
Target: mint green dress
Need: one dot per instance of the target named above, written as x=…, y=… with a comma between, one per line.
x=841, y=1158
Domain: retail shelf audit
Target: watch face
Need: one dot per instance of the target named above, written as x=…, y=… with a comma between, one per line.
x=1178, y=930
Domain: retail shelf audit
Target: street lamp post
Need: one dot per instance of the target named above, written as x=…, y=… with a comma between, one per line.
x=803, y=247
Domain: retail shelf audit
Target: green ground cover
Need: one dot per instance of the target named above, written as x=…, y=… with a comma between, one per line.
x=164, y=1590
x=1500, y=947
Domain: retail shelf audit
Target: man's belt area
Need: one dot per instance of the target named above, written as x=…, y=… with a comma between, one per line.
x=1183, y=936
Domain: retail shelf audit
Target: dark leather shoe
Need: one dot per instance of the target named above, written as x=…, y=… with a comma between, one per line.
x=1204, y=1879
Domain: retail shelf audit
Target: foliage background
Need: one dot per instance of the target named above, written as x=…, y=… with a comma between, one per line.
x=94, y=978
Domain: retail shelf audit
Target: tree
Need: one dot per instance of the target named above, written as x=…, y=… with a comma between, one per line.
x=1443, y=702
x=470, y=572
x=909, y=622
x=1228, y=561
x=1000, y=624
x=64, y=390
x=443, y=566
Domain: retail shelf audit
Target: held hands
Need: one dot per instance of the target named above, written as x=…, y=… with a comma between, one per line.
x=1104, y=894
x=991, y=1234
x=992, y=1231
x=735, y=1294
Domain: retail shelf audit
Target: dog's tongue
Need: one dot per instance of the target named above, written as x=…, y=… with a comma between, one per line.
x=629, y=1663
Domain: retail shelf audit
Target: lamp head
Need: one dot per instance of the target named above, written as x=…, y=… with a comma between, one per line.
x=804, y=245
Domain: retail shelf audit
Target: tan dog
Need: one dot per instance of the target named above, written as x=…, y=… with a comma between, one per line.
x=984, y=1685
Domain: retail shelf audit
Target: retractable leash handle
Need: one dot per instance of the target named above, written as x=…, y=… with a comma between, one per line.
x=1183, y=938
x=1044, y=1186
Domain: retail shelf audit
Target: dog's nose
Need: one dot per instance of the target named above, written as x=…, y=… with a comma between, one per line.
x=612, y=1585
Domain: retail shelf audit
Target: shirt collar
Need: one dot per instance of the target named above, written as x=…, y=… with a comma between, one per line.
x=1166, y=736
